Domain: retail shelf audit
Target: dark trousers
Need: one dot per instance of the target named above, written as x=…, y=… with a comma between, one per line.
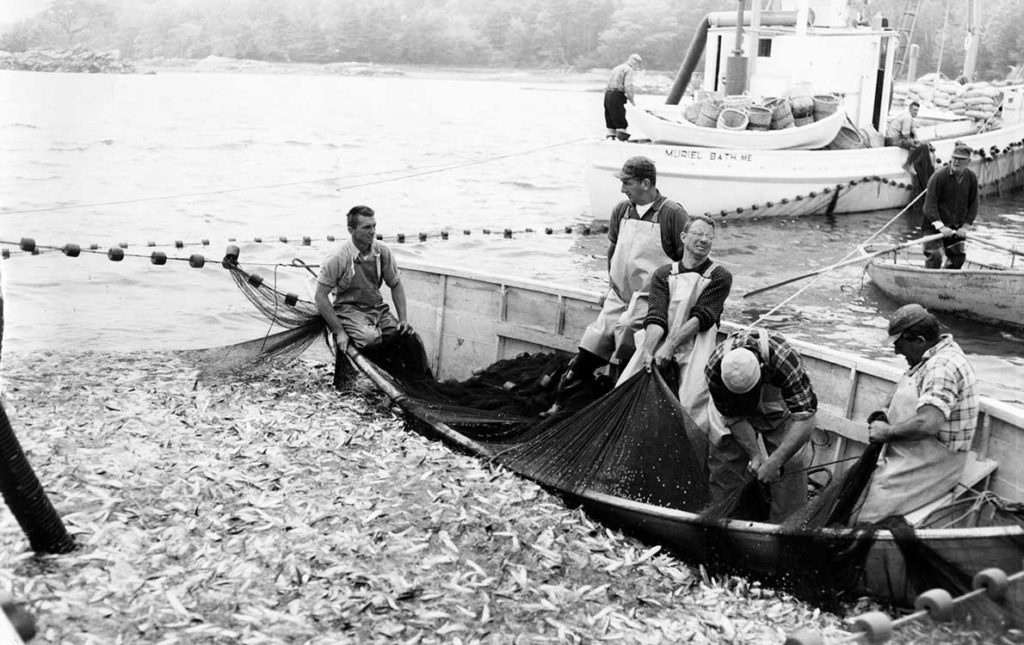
x=953, y=247
x=615, y=110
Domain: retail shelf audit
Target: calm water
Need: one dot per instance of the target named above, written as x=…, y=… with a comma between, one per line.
x=93, y=159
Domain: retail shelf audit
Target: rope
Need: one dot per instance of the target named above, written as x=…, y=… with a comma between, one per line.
x=846, y=257
x=418, y=173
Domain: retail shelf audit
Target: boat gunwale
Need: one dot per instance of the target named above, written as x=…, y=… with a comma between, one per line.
x=384, y=383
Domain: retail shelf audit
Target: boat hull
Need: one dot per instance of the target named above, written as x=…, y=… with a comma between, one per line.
x=746, y=183
x=983, y=294
x=469, y=320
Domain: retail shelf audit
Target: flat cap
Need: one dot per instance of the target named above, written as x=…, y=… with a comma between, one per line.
x=904, y=318
x=637, y=168
x=962, y=150
x=635, y=58
x=740, y=370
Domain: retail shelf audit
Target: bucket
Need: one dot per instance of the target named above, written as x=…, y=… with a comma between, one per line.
x=802, y=106
x=825, y=105
x=782, y=114
x=803, y=120
x=709, y=111
x=758, y=117
x=732, y=119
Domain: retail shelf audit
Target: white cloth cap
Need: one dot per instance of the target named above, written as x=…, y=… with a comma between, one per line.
x=740, y=370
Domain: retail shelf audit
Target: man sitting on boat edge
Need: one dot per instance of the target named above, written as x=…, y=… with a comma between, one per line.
x=644, y=233
x=929, y=423
x=354, y=273
x=760, y=390
x=685, y=303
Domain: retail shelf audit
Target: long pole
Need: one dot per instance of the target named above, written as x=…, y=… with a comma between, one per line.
x=860, y=258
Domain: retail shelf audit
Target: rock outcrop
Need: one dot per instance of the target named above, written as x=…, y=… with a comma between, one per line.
x=72, y=60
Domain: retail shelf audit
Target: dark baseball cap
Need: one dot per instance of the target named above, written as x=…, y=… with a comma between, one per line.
x=638, y=168
x=904, y=318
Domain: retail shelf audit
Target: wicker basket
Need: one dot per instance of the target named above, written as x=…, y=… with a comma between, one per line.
x=692, y=112
x=849, y=138
x=732, y=119
x=758, y=117
x=782, y=114
x=802, y=106
x=709, y=111
x=825, y=105
x=803, y=120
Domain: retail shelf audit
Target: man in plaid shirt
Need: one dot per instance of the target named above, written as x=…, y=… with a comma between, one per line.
x=762, y=415
x=930, y=421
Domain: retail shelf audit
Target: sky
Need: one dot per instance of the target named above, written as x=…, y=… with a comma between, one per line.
x=14, y=10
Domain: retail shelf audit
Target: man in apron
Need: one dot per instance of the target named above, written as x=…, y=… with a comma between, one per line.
x=762, y=417
x=354, y=272
x=644, y=233
x=684, y=309
x=929, y=423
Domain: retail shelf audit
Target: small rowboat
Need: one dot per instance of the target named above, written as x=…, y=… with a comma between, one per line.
x=981, y=291
x=469, y=320
x=665, y=124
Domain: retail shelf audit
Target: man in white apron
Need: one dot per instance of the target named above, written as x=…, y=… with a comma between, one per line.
x=685, y=305
x=762, y=415
x=930, y=419
x=644, y=233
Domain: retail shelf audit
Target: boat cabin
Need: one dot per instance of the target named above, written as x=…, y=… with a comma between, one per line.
x=805, y=46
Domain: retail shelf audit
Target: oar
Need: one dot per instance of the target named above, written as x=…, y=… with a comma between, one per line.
x=1008, y=249
x=888, y=249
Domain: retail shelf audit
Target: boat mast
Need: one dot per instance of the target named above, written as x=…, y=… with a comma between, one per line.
x=736, y=66
x=971, y=44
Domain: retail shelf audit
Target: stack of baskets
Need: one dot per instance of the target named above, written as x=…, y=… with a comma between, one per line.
x=733, y=119
x=709, y=111
x=759, y=117
x=782, y=113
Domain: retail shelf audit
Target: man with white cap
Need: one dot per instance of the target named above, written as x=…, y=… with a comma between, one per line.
x=644, y=233
x=618, y=91
x=929, y=423
x=762, y=415
x=950, y=206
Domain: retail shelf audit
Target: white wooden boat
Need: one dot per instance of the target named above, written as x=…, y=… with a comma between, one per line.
x=468, y=320
x=980, y=291
x=665, y=124
x=807, y=47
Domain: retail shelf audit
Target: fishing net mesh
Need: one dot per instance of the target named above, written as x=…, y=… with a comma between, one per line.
x=633, y=442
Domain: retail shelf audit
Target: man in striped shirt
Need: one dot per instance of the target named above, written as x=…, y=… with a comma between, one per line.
x=618, y=91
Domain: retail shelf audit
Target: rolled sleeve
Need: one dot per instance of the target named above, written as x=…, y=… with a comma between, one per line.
x=336, y=272
x=388, y=268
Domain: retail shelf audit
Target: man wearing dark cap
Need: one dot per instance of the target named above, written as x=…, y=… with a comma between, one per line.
x=929, y=422
x=644, y=233
x=760, y=392
x=618, y=91
x=950, y=206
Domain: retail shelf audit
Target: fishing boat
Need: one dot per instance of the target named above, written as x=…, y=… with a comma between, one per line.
x=981, y=291
x=814, y=47
x=665, y=124
x=469, y=320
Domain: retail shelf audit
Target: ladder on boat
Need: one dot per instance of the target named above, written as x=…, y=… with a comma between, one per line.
x=905, y=31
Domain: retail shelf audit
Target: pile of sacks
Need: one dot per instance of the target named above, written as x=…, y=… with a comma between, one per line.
x=979, y=101
x=74, y=60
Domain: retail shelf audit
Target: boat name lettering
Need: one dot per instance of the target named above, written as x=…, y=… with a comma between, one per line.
x=712, y=155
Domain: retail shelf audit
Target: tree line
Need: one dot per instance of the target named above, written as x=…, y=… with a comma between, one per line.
x=562, y=34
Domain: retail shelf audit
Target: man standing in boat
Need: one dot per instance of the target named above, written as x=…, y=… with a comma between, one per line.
x=644, y=233
x=618, y=91
x=929, y=423
x=762, y=415
x=354, y=272
x=685, y=304
x=950, y=206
